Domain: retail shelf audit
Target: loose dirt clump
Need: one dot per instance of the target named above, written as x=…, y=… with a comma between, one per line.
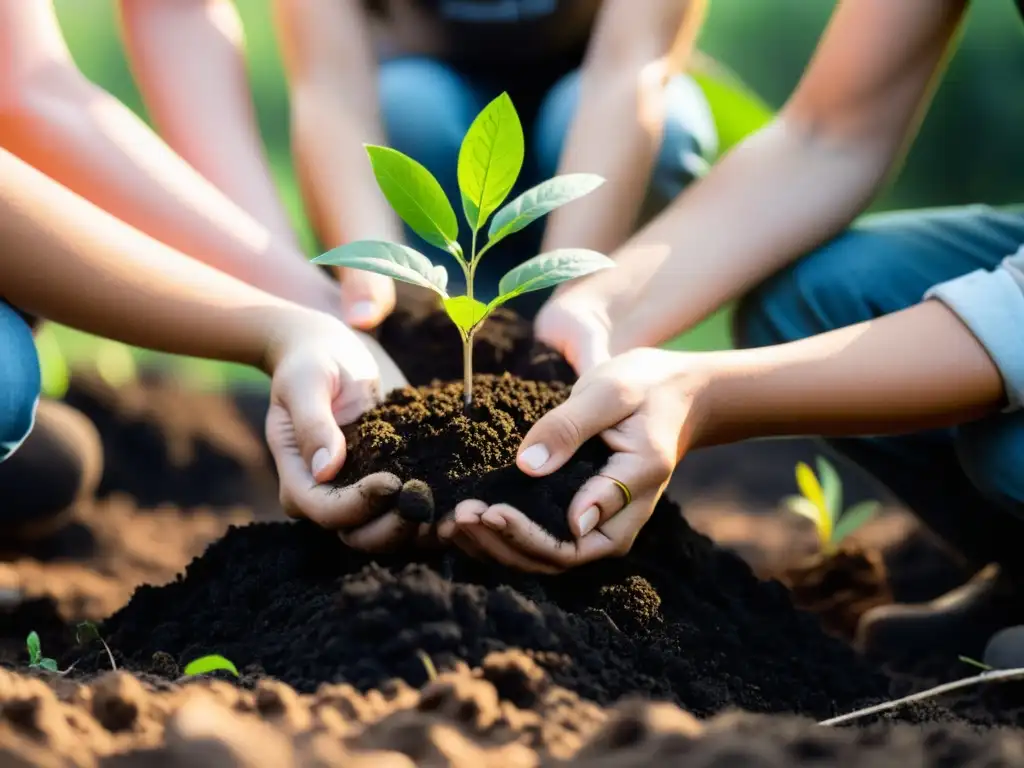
x=506, y=713
x=840, y=587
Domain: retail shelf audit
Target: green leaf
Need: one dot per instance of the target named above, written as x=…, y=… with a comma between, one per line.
x=212, y=663
x=540, y=201
x=465, y=312
x=35, y=648
x=854, y=518
x=490, y=159
x=50, y=665
x=549, y=269
x=391, y=259
x=831, y=487
x=415, y=195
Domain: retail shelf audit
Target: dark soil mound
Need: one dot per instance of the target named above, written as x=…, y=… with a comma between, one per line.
x=676, y=619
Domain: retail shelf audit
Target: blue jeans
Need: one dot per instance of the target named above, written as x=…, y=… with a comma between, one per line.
x=428, y=106
x=965, y=483
x=19, y=380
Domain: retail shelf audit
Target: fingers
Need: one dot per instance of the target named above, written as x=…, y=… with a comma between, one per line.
x=340, y=508
x=304, y=418
x=476, y=538
x=593, y=407
x=530, y=540
x=601, y=498
x=385, y=534
x=366, y=298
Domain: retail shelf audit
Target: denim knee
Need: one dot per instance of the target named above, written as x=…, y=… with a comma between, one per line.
x=991, y=451
x=689, y=140
x=855, y=277
x=19, y=380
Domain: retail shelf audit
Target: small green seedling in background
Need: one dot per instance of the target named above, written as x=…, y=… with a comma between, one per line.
x=212, y=663
x=975, y=663
x=86, y=632
x=428, y=665
x=821, y=501
x=36, y=660
x=490, y=159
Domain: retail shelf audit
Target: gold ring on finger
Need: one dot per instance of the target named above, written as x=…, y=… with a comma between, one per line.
x=622, y=487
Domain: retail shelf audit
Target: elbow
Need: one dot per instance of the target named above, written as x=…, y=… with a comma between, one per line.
x=874, y=139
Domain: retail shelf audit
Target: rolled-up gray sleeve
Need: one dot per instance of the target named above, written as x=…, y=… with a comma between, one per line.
x=991, y=305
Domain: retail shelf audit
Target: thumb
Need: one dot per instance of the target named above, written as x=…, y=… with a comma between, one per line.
x=366, y=298
x=314, y=427
x=558, y=434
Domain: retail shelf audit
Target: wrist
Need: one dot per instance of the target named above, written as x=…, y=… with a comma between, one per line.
x=287, y=325
x=725, y=397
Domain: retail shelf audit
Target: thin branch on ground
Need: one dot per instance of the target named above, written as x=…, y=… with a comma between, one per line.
x=995, y=676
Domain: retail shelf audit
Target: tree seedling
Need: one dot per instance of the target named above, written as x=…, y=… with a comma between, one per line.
x=490, y=159
x=86, y=632
x=206, y=664
x=821, y=501
x=36, y=660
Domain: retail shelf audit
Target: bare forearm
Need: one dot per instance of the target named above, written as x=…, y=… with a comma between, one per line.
x=916, y=369
x=774, y=198
x=67, y=260
x=616, y=134
x=82, y=137
x=619, y=123
x=188, y=59
x=337, y=180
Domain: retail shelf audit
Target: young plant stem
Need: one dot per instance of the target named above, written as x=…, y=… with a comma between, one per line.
x=467, y=339
x=467, y=372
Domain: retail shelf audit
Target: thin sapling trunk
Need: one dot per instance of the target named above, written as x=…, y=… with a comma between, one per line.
x=467, y=372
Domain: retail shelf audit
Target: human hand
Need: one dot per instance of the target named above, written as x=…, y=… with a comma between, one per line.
x=366, y=298
x=325, y=374
x=649, y=406
x=578, y=326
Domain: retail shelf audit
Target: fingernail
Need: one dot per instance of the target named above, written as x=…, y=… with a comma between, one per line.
x=320, y=460
x=535, y=457
x=588, y=520
x=362, y=312
x=494, y=522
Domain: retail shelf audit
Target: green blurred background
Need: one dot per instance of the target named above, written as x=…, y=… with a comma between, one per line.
x=969, y=148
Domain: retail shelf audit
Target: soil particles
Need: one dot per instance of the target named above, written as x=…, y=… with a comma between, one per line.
x=676, y=654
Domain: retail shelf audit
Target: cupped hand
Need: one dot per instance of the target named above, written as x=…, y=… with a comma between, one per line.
x=647, y=405
x=326, y=375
